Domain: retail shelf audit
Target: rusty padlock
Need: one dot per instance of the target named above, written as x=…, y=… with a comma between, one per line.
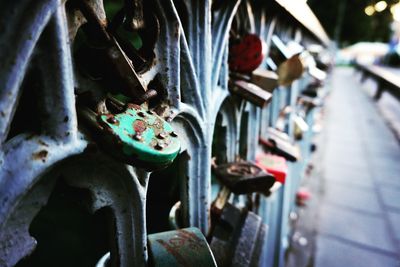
x=250, y=92
x=183, y=247
x=237, y=236
x=244, y=177
x=108, y=50
x=279, y=143
x=134, y=135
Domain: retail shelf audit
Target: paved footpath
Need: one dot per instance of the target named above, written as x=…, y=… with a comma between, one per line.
x=359, y=211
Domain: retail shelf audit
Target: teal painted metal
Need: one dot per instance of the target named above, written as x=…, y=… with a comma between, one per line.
x=143, y=136
x=185, y=247
x=192, y=63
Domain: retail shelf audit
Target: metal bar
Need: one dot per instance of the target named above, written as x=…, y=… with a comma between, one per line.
x=17, y=47
x=60, y=119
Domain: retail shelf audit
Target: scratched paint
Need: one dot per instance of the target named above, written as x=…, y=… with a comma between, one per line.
x=185, y=247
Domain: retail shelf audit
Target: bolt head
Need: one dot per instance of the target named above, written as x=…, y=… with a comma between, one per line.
x=138, y=137
x=141, y=114
x=159, y=146
x=162, y=135
x=112, y=120
x=173, y=134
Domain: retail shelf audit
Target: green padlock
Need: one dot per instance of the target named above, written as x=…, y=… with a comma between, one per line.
x=136, y=136
x=143, y=137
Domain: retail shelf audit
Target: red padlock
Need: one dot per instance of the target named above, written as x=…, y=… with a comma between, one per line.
x=246, y=54
x=273, y=164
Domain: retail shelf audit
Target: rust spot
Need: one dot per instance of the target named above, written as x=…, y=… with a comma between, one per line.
x=134, y=106
x=139, y=126
x=103, y=22
x=175, y=253
x=42, y=143
x=41, y=155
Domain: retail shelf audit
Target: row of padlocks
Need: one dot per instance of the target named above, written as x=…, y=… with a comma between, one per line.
x=154, y=133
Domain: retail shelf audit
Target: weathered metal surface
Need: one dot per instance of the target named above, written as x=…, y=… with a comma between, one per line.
x=224, y=234
x=115, y=58
x=185, y=62
x=238, y=237
x=136, y=136
x=16, y=50
x=247, y=248
x=26, y=157
x=244, y=177
x=184, y=247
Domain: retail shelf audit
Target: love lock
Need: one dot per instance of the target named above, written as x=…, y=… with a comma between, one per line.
x=135, y=136
x=275, y=165
x=280, y=144
x=309, y=102
x=245, y=53
x=244, y=177
x=266, y=79
x=237, y=236
x=250, y=92
x=300, y=126
x=290, y=70
x=184, y=247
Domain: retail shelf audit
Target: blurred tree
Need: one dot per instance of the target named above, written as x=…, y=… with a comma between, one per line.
x=346, y=22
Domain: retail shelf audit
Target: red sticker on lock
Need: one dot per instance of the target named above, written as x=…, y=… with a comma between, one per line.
x=246, y=54
x=273, y=164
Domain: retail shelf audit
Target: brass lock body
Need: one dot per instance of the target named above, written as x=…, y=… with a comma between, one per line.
x=290, y=70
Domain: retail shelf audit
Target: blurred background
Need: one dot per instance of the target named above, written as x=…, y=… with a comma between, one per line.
x=355, y=213
x=367, y=31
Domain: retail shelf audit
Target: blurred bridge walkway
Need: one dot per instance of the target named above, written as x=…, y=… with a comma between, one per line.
x=359, y=211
